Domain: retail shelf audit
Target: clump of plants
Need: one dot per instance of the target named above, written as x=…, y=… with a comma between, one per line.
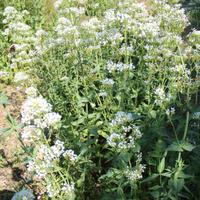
x=112, y=99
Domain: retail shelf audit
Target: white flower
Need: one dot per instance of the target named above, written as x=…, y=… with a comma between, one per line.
x=31, y=92
x=121, y=118
x=40, y=33
x=196, y=115
x=103, y=93
x=58, y=149
x=52, y=119
x=170, y=111
x=4, y=74
x=70, y=155
x=160, y=92
x=136, y=132
x=139, y=157
x=51, y=191
x=34, y=108
x=30, y=133
x=45, y=158
x=135, y=174
x=107, y=81
x=57, y=4
x=160, y=95
x=114, y=139
x=20, y=76
x=68, y=188
x=111, y=66
x=9, y=11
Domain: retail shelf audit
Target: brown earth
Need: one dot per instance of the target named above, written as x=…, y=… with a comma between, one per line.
x=10, y=167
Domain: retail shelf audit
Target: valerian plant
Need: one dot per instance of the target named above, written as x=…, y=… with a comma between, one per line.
x=115, y=114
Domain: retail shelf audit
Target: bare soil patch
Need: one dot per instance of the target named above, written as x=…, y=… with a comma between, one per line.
x=10, y=167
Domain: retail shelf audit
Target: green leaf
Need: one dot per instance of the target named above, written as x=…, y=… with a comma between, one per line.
x=153, y=114
x=166, y=174
x=187, y=146
x=150, y=178
x=3, y=99
x=178, y=184
x=184, y=176
x=79, y=121
x=174, y=147
x=4, y=132
x=181, y=146
x=161, y=166
x=136, y=116
x=156, y=187
x=102, y=133
x=13, y=123
x=155, y=194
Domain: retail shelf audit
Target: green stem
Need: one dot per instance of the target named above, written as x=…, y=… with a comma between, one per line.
x=174, y=130
x=186, y=125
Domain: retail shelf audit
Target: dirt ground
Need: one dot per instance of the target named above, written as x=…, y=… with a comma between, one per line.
x=10, y=168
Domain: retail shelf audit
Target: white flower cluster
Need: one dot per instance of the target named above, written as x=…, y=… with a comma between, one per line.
x=127, y=140
x=70, y=155
x=170, y=111
x=25, y=45
x=194, y=38
x=4, y=74
x=161, y=96
x=171, y=17
x=31, y=92
x=126, y=50
x=130, y=133
x=51, y=191
x=30, y=134
x=66, y=31
x=57, y=4
x=121, y=118
x=181, y=69
x=36, y=115
x=196, y=115
x=107, y=81
x=20, y=34
x=13, y=20
x=37, y=111
x=68, y=190
x=119, y=67
x=103, y=93
x=20, y=77
x=46, y=158
x=114, y=139
x=65, y=28
x=91, y=24
x=34, y=108
x=121, y=141
x=135, y=174
x=76, y=11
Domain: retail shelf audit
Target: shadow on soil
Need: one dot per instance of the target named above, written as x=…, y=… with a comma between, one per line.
x=16, y=176
x=6, y=194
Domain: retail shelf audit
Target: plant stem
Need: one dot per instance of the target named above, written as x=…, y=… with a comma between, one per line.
x=186, y=125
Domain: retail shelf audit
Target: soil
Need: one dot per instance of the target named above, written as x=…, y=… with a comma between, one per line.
x=10, y=167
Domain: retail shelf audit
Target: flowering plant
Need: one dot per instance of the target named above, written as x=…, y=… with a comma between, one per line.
x=115, y=114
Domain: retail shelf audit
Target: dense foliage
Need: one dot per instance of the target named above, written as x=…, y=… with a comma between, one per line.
x=116, y=111
x=193, y=9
